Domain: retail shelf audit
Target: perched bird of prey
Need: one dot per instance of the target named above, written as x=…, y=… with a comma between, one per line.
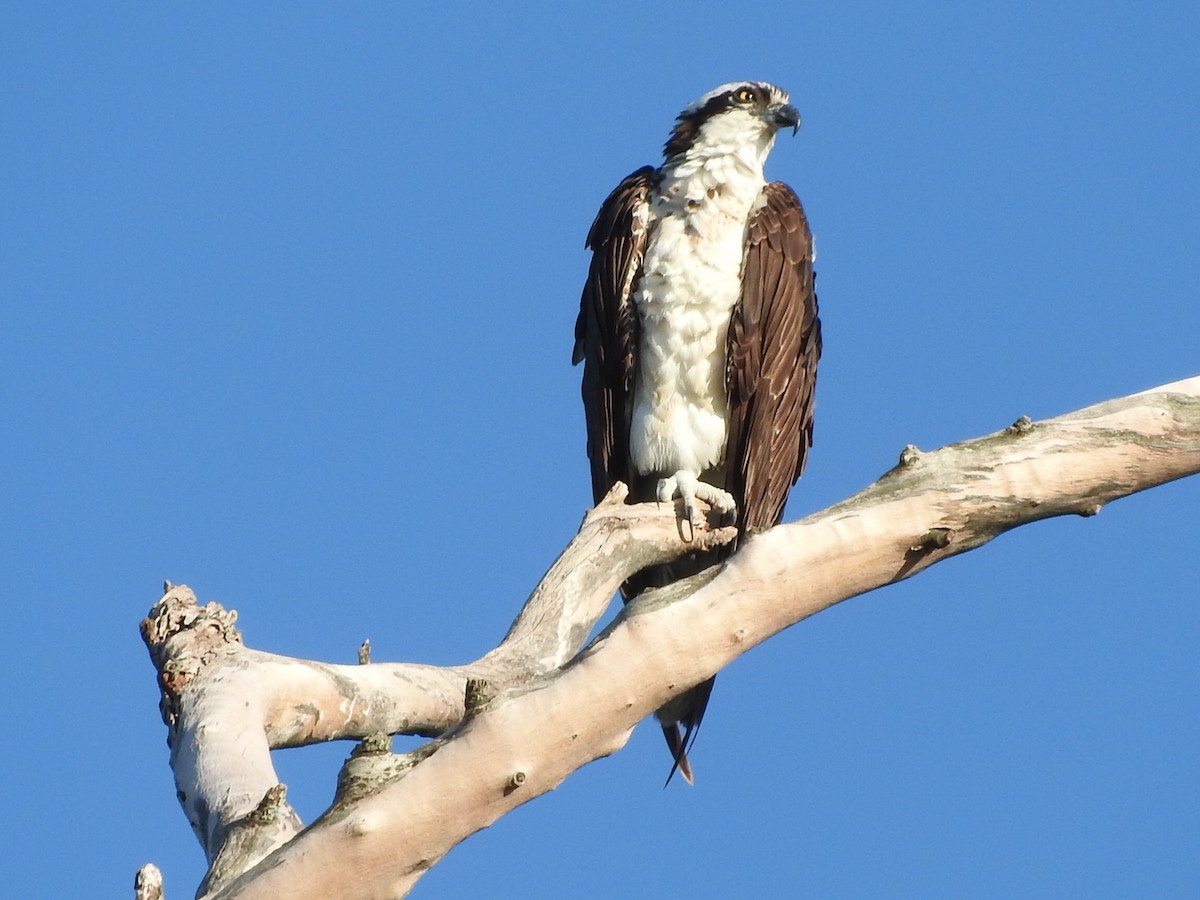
x=699, y=336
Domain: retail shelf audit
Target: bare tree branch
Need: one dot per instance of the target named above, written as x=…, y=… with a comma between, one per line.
x=532, y=719
x=226, y=706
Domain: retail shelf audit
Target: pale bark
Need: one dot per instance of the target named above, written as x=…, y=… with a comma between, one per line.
x=517, y=722
x=148, y=883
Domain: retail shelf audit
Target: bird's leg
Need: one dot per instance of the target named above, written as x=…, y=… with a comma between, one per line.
x=688, y=487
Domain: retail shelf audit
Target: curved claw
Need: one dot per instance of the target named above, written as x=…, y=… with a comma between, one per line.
x=688, y=487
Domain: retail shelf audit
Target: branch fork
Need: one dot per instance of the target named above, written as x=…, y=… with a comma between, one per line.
x=513, y=724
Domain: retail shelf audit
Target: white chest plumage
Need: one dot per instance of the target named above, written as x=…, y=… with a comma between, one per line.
x=691, y=281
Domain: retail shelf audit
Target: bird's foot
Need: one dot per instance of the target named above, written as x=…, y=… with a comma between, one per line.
x=688, y=487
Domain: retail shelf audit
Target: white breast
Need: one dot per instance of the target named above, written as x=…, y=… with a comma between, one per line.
x=691, y=281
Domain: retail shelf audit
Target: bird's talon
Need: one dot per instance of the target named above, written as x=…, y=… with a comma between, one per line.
x=666, y=490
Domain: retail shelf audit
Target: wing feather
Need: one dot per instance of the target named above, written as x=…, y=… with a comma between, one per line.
x=774, y=345
x=606, y=331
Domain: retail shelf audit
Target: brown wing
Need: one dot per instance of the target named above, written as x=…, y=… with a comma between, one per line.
x=606, y=330
x=773, y=346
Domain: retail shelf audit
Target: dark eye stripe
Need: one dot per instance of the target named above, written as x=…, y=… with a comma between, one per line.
x=688, y=125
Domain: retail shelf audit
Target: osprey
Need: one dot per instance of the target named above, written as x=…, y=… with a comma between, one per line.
x=699, y=336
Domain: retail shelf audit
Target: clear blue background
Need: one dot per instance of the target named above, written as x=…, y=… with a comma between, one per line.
x=288, y=293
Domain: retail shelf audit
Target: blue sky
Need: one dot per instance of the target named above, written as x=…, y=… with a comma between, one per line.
x=286, y=301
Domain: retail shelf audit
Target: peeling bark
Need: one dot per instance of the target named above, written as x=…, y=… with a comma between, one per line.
x=515, y=723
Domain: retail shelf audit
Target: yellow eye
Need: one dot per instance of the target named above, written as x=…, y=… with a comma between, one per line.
x=745, y=95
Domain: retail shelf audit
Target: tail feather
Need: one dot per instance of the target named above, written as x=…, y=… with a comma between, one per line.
x=677, y=742
x=686, y=710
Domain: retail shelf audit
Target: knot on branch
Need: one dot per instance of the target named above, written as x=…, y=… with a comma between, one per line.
x=184, y=637
x=371, y=766
x=476, y=696
x=933, y=539
x=273, y=803
x=920, y=552
x=248, y=840
x=373, y=745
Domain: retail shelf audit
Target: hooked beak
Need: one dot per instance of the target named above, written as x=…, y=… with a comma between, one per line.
x=784, y=116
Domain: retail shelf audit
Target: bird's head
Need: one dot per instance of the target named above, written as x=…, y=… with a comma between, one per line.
x=733, y=115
